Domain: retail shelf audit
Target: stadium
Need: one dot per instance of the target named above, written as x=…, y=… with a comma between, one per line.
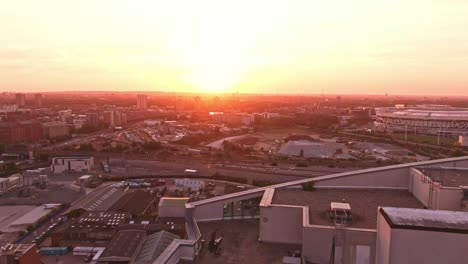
x=424, y=119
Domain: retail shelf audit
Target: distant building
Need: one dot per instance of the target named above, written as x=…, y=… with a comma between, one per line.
x=115, y=118
x=55, y=130
x=20, y=99
x=172, y=206
x=180, y=105
x=10, y=108
x=19, y=254
x=79, y=121
x=65, y=115
x=93, y=119
x=233, y=119
x=426, y=119
x=72, y=164
x=20, y=132
x=38, y=99
x=142, y=101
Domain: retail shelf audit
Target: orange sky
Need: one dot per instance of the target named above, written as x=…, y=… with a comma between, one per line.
x=296, y=46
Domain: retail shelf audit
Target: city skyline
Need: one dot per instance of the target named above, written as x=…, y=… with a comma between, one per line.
x=305, y=47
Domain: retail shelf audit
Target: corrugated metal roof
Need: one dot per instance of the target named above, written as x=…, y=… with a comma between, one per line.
x=154, y=245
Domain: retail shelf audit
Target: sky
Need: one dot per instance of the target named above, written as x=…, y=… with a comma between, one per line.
x=406, y=47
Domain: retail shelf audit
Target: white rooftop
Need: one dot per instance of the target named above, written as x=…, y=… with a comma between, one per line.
x=426, y=219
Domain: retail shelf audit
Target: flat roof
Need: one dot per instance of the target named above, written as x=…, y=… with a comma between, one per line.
x=134, y=202
x=240, y=243
x=74, y=157
x=173, y=201
x=260, y=190
x=364, y=203
x=33, y=216
x=104, y=201
x=426, y=220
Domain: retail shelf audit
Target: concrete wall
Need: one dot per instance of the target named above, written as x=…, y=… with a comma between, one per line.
x=449, y=198
x=439, y=198
x=181, y=252
x=317, y=244
x=392, y=178
x=281, y=224
x=212, y=211
x=418, y=187
x=414, y=246
x=171, y=211
x=406, y=246
x=382, y=248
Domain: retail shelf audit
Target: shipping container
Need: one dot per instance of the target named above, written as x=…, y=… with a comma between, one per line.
x=53, y=251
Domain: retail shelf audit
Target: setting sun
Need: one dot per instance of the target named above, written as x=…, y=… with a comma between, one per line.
x=224, y=46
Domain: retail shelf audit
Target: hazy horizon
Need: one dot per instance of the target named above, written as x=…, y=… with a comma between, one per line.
x=405, y=48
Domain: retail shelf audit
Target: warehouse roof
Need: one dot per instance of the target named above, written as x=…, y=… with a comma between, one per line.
x=124, y=246
x=154, y=245
x=33, y=216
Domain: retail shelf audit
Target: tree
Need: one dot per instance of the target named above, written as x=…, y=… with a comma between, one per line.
x=86, y=147
x=75, y=213
x=152, y=146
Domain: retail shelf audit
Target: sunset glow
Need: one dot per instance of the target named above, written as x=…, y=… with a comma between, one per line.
x=303, y=46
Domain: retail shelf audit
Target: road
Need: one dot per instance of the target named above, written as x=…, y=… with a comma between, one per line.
x=43, y=230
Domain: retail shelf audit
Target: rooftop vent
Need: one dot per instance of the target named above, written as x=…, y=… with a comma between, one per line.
x=340, y=213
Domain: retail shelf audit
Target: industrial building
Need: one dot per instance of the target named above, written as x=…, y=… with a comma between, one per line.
x=20, y=132
x=91, y=229
x=19, y=254
x=38, y=99
x=55, y=130
x=427, y=119
x=360, y=216
x=72, y=164
x=142, y=102
x=19, y=218
x=20, y=99
x=135, y=247
x=172, y=206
